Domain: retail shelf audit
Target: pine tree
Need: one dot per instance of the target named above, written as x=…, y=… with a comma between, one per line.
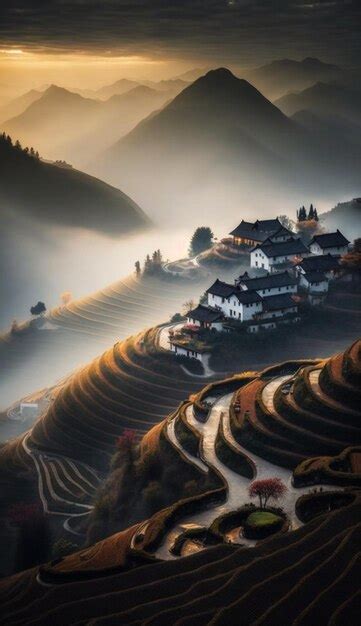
x=138, y=270
x=311, y=213
x=147, y=263
x=315, y=214
x=302, y=215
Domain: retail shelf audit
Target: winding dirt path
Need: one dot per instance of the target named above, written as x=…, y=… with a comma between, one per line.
x=237, y=485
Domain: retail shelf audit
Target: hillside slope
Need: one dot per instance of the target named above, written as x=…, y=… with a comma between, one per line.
x=63, y=196
x=307, y=577
x=346, y=216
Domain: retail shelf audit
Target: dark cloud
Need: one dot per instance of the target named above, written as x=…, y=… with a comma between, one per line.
x=245, y=31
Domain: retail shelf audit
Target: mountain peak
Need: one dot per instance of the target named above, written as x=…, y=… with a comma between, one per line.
x=220, y=86
x=220, y=73
x=55, y=90
x=317, y=63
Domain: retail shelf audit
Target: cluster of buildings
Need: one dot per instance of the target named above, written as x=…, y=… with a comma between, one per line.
x=291, y=273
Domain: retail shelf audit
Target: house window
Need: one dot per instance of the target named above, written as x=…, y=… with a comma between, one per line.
x=256, y=263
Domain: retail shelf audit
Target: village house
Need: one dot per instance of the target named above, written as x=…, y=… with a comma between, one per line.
x=269, y=285
x=180, y=348
x=325, y=263
x=233, y=302
x=253, y=233
x=278, y=309
x=263, y=302
x=293, y=272
x=316, y=285
x=329, y=243
x=204, y=317
x=274, y=257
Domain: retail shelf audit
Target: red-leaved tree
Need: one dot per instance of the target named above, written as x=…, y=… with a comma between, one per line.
x=266, y=489
x=125, y=449
x=127, y=440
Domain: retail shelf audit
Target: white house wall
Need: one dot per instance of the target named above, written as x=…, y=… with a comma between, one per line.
x=279, y=312
x=276, y=291
x=315, y=248
x=214, y=301
x=234, y=309
x=259, y=259
x=192, y=354
x=320, y=287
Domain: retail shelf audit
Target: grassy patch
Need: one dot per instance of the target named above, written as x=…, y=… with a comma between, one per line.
x=259, y=519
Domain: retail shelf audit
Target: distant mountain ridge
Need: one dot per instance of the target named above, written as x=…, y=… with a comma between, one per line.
x=18, y=105
x=63, y=196
x=286, y=75
x=219, y=140
x=324, y=99
x=124, y=85
x=86, y=124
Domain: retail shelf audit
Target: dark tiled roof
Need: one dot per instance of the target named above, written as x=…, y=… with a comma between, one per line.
x=219, y=288
x=283, y=248
x=258, y=231
x=314, y=277
x=330, y=240
x=269, y=225
x=281, y=232
x=205, y=314
x=282, y=301
x=225, y=291
x=321, y=262
x=270, y=281
x=247, y=297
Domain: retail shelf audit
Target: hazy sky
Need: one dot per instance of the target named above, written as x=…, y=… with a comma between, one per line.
x=90, y=42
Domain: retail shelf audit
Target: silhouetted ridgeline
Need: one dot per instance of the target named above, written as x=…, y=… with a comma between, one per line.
x=62, y=195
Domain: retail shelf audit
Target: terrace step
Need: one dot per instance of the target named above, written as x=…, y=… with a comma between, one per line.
x=333, y=383
x=287, y=406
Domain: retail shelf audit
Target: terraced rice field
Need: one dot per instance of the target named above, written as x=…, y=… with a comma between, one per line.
x=306, y=577
x=133, y=385
x=303, y=577
x=124, y=307
x=84, y=328
x=313, y=412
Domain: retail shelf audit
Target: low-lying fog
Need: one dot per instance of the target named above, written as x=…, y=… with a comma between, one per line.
x=42, y=262
x=39, y=262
